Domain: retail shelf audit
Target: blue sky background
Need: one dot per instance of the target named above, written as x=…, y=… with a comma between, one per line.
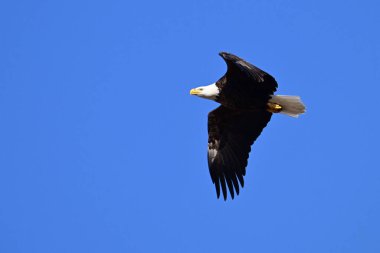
x=103, y=150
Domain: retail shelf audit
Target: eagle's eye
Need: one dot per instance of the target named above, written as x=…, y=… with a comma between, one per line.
x=200, y=89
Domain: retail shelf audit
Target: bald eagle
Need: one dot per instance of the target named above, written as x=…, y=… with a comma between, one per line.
x=245, y=93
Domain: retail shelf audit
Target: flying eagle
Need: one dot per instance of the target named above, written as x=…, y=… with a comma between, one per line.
x=245, y=93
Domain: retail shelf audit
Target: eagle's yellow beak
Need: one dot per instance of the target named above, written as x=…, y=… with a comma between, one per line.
x=194, y=92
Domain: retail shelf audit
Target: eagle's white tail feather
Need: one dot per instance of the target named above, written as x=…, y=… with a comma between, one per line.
x=291, y=105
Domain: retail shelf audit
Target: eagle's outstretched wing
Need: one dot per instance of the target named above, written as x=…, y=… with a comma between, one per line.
x=242, y=76
x=231, y=134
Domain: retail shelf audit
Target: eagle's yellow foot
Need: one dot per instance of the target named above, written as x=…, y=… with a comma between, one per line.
x=274, y=108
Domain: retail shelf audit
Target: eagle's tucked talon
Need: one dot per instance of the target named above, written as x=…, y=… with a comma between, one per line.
x=274, y=108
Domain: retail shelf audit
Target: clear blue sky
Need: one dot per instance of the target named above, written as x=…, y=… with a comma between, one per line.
x=103, y=150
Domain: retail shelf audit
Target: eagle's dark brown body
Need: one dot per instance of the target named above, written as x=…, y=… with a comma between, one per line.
x=245, y=93
x=235, y=125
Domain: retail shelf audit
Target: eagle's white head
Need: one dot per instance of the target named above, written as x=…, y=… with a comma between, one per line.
x=209, y=92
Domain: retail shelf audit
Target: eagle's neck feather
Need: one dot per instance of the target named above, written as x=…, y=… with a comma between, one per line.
x=210, y=92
